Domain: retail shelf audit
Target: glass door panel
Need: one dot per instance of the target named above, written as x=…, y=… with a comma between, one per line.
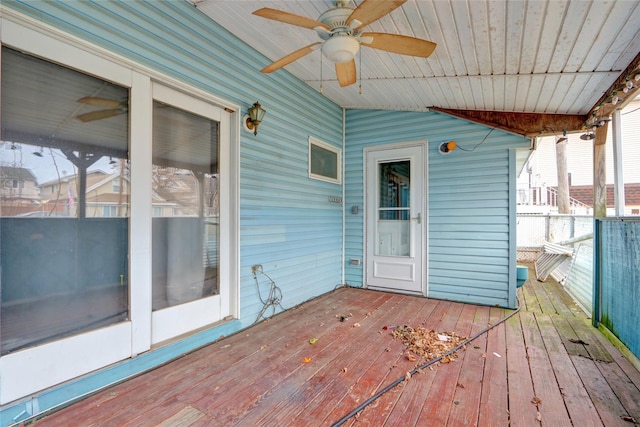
x=64, y=202
x=186, y=202
x=394, y=209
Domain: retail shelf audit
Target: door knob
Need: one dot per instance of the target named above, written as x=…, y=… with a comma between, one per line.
x=418, y=217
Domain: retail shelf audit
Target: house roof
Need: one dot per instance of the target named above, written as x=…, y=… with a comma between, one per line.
x=584, y=193
x=555, y=61
x=9, y=172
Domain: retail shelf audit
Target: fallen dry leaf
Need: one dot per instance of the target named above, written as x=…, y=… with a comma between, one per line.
x=459, y=385
x=411, y=357
x=307, y=360
x=628, y=419
x=407, y=376
x=538, y=417
x=536, y=400
x=428, y=344
x=344, y=369
x=356, y=325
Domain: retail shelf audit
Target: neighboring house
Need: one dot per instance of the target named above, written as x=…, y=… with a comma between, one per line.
x=18, y=192
x=163, y=86
x=538, y=181
x=584, y=193
x=107, y=195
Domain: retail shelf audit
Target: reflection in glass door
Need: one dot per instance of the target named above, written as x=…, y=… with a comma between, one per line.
x=185, y=207
x=64, y=203
x=394, y=209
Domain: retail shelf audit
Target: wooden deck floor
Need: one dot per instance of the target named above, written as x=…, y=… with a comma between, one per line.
x=544, y=366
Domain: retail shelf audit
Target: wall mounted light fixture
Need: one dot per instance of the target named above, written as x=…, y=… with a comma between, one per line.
x=253, y=119
x=447, y=147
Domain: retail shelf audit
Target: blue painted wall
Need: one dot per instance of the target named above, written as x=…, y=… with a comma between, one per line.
x=287, y=223
x=471, y=211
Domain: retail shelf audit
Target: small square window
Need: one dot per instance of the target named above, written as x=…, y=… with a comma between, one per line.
x=325, y=161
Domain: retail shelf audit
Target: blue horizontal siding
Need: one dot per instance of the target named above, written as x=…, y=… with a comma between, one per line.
x=178, y=40
x=470, y=228
x=287, y=223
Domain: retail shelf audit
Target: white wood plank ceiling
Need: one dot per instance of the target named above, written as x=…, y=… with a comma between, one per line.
x=533, y=56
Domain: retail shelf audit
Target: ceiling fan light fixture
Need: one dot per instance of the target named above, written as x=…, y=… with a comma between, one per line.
x=340, y=48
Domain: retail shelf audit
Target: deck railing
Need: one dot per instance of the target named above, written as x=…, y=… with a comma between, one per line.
x=548, y=196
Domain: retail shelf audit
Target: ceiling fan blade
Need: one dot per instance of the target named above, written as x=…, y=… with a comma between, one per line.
x=346, y=72
x=290, y=58
x=397, y=43
x=99, y=115
x=371, y=10
x=289, y=18
x=100, y=102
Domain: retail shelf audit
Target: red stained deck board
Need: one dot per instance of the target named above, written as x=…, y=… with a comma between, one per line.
x=447, y=321
x=327, y=364
x=411, y=404
x=361, y=384
x=269, y=370
x=384, y=368
x=494, y=405
x=349, y=368
x=522, y=411
x=547, y=393
x=440, y=397
x=466, y=401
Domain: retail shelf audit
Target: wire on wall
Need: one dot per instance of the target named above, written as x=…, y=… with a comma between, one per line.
x=478, y=144
x=274, y=297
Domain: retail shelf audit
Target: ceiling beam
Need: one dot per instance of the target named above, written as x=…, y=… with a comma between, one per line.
x=604, y=107
x=525, y=124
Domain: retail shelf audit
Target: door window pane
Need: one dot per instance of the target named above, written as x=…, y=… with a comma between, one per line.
x=186, y=200
x=63, y=257
x=393, y=228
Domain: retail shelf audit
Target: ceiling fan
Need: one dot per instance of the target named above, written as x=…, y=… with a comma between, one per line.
x=112, y=108
x=340, y=29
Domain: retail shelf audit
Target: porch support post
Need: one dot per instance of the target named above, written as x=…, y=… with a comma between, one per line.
x=563, y=178
x=600, y=172
x=618, y=177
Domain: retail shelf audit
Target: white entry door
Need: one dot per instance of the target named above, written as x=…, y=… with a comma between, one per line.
x=395, y=182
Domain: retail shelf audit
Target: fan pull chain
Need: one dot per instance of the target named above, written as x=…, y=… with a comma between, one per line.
x=360, y=70
x=321, y=72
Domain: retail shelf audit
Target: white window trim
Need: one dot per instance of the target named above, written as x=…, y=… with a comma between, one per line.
x=328, y=147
